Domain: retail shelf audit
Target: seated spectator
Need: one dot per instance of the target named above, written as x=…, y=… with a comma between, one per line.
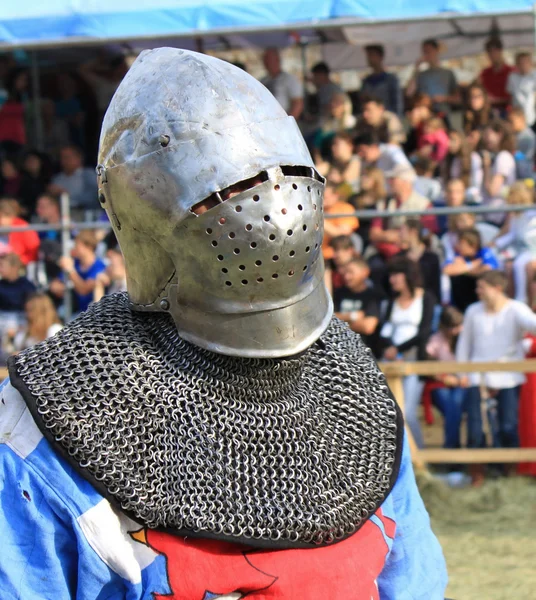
x=12, y=114
x=499, y=166
x=373, y=196
x=494, y=78
x=339, y=225
x=114, y=279
x=76, y=180
x=345, y=161
x=460, y=222
x=10, y=178
x=425, y=184
x=385, y=233
x=493, y=331
x=380, y=83
x=406, y=330
x=386, y=157
x=48, y=211
x=15, y=289
x=478, y=115
x=522, y=86
x=326, y=89
x=415, y=241
x=23, y=243
x=448, y=391
x=455, y=196
x=35, y=178
x=357, y=302
x=338, y=120
x=384, y=123
x=514, y=237
x=525, y=143
x=468, y=263
x=463, y=163
x=42, y=322
x=434, y=143
x=343, y=251
x=418, y=115
x=82, y=269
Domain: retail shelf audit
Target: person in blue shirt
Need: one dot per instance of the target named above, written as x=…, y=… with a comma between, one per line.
x=469, y=262
x=82, y=268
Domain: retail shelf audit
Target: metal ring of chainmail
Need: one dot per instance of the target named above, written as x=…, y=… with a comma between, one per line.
x=279, y=452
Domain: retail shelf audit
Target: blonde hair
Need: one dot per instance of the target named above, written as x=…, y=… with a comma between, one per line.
x=9, y=207
x=378, y=190
x=41, y=315
x=520, y=194
x=88, y=238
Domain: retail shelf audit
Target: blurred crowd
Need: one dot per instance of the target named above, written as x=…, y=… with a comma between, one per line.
x=460, y=287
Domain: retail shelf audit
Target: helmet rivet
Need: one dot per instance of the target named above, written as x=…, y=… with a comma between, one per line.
x=102, y=198
x=164, y=140
x=164, y=304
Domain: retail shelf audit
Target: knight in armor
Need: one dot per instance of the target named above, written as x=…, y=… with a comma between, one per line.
x=215, y=432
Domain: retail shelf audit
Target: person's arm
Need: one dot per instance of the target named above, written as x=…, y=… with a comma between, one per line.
x=526, y=318
x=83, y=287
x=415, y=567
x=458, y=266
x=413, y=84
x=296, y=108
x=464, y=344
x=506, y=236
x=296, y=97
x=496, y=175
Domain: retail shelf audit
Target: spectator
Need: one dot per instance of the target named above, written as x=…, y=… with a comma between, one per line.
x=56, y=131
x=462, y=163
x=343, y=251
x=493, y=331
x=525, y=142
x=345, y=161
x=114, y=279
x=460, y=222
x=375, y=118
x=23, y=243
x=478, y=115
x=406, y=330
x=357, y=302
x=12, y=124
x=76, y=180
x=69, y=109
x=468, y=263
x=104, y=74
x=15, y=289
x=448, y=391
x=522, y=87
x=415, y=242
x=373, y=195
x=385, y=157
x=42, y=322
x=434, y=143
x=287, y=90
x=436, y=81
x=82, y=269
x=11, y=178
x=515, y=236
x=494, y=78
x=337, y=226
x=425, y=184
x=380, y=83
x=48, y=211
x=418, y=115
x=326, y=89
x=34, y=181
x=339, y=120
x=385, y=233
x=499, y=165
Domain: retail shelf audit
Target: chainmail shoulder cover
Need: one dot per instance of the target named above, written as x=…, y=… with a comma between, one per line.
x=285, y=453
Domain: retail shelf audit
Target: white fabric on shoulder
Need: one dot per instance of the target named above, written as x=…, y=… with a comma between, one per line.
x=18, y=430
x=108, y=532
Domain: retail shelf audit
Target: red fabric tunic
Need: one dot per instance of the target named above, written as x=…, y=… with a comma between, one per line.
x=527, y=415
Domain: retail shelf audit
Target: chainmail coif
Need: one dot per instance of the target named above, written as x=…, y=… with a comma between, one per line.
x=280, y=452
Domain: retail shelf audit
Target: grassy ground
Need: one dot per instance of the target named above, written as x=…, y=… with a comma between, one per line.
x=488, y=536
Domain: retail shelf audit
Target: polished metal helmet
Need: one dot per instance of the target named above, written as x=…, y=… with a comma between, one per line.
x=216, y=205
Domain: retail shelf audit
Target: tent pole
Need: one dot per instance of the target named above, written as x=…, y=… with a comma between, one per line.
x=303, y=49
x=36, y=89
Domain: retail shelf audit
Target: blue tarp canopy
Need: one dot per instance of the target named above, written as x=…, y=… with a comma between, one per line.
x=49, y=23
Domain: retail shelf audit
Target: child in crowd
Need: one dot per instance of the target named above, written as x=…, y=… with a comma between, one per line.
x=469, y=262
x=525, y=142
x=463, y=163
x=42, y=322
x=448, y=390
x=15, y=288
x=434, y=144
x=517, y=237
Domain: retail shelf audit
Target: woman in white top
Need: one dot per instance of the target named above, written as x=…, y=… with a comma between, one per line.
x=42, y=322
x=499, y=165
x=463, y=163
x=406, y=330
